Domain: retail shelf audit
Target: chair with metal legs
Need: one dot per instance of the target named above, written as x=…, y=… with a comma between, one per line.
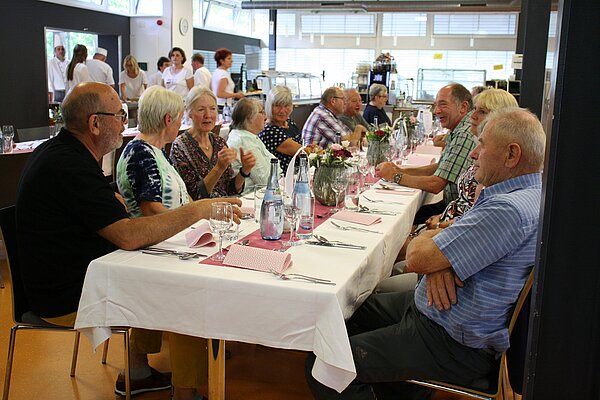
x=491, y=389
x=25, y=319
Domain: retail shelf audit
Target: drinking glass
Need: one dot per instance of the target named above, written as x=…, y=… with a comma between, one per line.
x=221, y=219
x=8, y=134
x=292, y=213
x=363, y=168
x=352, y=190
x=339, y=184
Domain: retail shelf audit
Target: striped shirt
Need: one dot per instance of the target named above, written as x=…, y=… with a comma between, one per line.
x=491, y=249
x=321, y=127
x=456, y=158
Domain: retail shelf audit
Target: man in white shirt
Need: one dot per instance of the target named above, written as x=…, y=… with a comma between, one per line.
x=57, y=72
x=99, y=70
x=202, y=76
x=156, y=78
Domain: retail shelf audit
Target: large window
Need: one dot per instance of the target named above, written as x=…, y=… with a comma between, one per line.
x=70, y=39
x=404, y=24
x=211, y=64
x=342, y=24
x=124, y=7
x=338, y=64
x=286, y=24
x=466, y=24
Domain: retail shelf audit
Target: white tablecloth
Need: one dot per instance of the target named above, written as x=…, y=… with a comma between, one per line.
x=128, y=288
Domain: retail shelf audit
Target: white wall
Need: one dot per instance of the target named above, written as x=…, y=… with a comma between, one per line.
x=150, y=41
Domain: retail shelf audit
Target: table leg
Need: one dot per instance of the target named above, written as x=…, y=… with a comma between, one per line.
x=216, y=369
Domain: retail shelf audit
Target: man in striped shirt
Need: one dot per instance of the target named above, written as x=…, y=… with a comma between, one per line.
x=453, y=327
x=323, y=124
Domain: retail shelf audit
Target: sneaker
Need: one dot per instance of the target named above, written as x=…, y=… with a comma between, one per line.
x=156, y=381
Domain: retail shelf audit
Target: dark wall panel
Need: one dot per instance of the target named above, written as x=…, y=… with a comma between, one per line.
x=211, y=41
x=24, y=100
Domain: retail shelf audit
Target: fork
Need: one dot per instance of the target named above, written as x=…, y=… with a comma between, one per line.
x=182, y=255
x=382, y=201
x=354, y=228
x=291, y=277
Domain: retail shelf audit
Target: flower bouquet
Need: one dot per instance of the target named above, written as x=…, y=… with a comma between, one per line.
x=329, y=163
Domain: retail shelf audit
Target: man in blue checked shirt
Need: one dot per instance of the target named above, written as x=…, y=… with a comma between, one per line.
x=453, y=327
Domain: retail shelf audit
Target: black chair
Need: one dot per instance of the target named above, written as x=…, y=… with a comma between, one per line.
x=23, y=318
x=490, y=389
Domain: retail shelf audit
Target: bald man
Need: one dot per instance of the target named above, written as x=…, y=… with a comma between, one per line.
x=68, y=215
x=352, y=116
x=454, y=326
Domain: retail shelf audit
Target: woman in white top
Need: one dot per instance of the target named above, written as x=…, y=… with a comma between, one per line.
x=132, y=80
x=178, y=78
x=222, y=84
x=77, y=71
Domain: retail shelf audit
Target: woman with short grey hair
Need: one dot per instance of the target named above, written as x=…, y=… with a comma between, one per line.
x=150, y=185
x=248, y=119
x=379, y=95
x=281, y=135
x=203, y=158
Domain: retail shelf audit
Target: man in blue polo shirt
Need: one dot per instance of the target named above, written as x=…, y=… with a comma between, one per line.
x=453, y=327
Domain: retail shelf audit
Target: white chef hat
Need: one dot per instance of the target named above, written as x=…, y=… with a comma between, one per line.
x=102, y=51
x=58, y=40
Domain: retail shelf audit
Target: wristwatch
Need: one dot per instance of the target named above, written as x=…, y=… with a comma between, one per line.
x=243, y=174
x=398, y=177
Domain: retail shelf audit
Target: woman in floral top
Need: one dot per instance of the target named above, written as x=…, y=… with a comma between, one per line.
x=150, y=185
x=281, y=135
x=486, y=102
x=202, y=158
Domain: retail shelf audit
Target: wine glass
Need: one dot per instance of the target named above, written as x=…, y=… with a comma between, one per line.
x=291, y=213
x=363, y=168
x=221, y=219
x=338, y=185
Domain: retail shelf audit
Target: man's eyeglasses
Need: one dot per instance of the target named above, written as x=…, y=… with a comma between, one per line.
x=122, y=115
x=341, y=98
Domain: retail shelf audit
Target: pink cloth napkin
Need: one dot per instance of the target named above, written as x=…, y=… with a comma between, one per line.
x=200, y=236
x=357, y=218
x=257, y=259
x=428, y=149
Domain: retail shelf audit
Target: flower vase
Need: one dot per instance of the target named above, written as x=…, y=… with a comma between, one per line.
x=323, y=180
x=376, y=151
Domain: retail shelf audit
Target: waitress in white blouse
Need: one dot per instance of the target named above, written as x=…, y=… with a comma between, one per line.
x=178, y=78
x=222, y=84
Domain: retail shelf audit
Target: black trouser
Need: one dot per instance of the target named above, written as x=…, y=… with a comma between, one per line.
x=391, y=342
x=427, y=211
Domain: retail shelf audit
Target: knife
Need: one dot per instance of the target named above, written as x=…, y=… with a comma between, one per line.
x=342, y=245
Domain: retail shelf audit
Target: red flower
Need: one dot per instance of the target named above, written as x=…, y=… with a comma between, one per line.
x=380, y=133
x=339, y=153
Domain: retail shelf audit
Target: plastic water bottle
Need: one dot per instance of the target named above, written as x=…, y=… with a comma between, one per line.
x=271, y=211
x=375, y=122
x=304, y=200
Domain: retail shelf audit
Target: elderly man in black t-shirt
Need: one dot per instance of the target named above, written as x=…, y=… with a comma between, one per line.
x=68, y=215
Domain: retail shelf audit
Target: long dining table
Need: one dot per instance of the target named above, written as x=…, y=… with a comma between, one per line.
x=129, y=288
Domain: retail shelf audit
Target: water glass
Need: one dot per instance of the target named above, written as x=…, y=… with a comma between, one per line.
x=8, y=134
x=352, y=190
x=52, y=131
x=221, y=219
x=292, y=213
x=339, y=184
x=259, y=195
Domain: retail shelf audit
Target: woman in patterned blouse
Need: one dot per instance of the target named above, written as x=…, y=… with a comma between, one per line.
x=281, y=135
x=202, y=158
x=486, y=102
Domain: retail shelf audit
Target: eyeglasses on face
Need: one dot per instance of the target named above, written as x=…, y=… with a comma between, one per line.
x=122, y=115
x=341, y=98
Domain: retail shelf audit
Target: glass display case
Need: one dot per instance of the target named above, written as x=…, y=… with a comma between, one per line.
x=429, y=81
x=303, y=86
